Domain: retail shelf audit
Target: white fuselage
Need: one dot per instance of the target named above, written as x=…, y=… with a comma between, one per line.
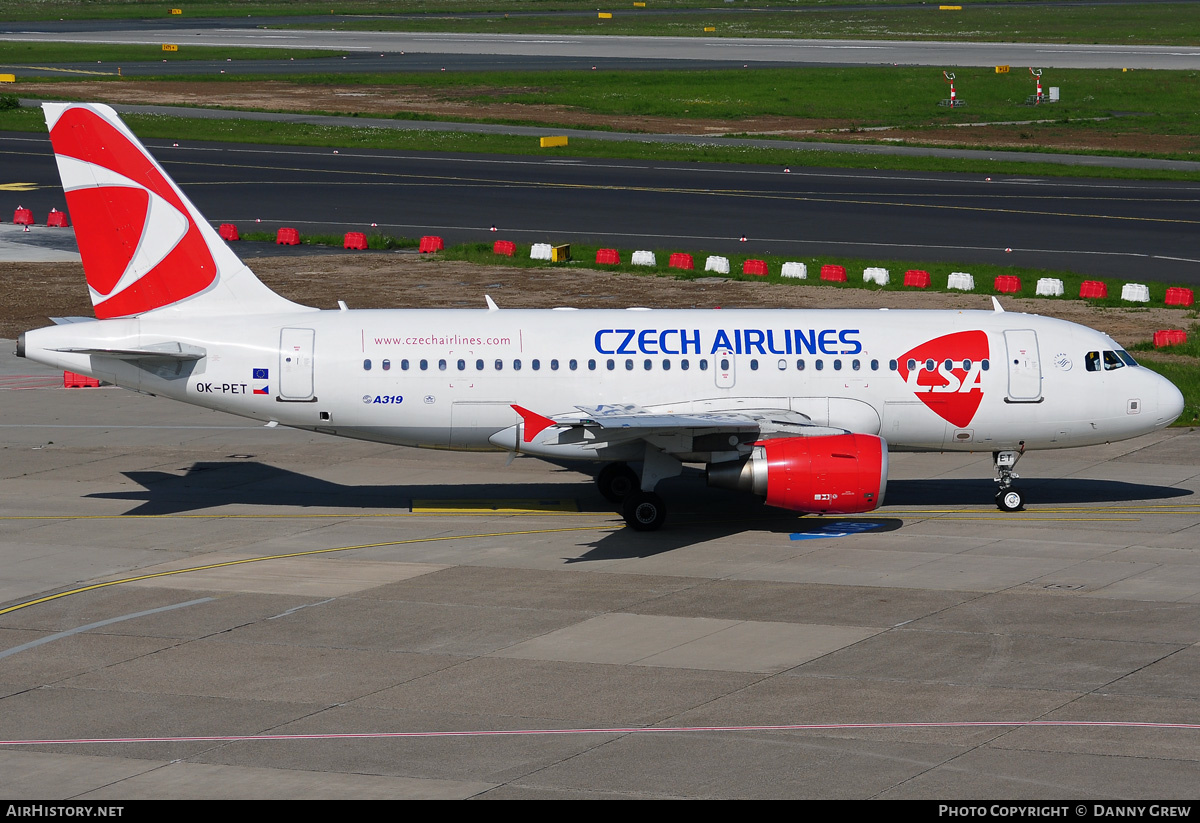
x=449, y=378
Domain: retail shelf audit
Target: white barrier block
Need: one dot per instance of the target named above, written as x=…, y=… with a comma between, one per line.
x=1135, y=293
x=644, y=258
x=875, y=274
x=797, y=270
x=540, y=251
x=718, y=264
x=961, y=280
x=1050, y=287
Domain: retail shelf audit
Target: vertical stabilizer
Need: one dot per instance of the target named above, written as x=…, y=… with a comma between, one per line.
x=145, y=247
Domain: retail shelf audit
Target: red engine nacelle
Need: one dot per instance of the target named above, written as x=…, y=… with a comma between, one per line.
x=839, y=474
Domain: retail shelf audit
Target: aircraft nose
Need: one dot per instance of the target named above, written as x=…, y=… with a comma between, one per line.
x=1170, y=402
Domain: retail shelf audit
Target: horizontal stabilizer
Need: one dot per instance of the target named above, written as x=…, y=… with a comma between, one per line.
x=161, y=352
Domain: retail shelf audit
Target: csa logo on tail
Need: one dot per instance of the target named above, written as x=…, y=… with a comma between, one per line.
x=952, y=388
x=141, y=248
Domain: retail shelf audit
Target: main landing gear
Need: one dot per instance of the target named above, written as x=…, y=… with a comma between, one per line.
x=1009, y=498
x=644, y=511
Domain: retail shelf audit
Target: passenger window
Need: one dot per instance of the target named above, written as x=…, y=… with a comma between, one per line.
x=535, y=364
x=628, y=365
x=894, y=365
x=799, y=365
x=573, y=365
x=837, y=365
x=442, y=365
x=516, y=365
x=462, y=365
x=366, y=365
x=912, y=365
x=818, y=364
x=685, y=365
x=612, y=364
x=499, y=365
x=666, y=364
x=553, y=365
x=854, y=364
x=591, y=365
x=424, y=365
x=646, y=365
x=387, y=365
x=984, y=364
x=754, y=365
x=478, y=365
x=703, y=364
x=404, y=365
x=782, y=364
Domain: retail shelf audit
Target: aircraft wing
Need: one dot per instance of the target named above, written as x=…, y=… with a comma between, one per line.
x=677, y=433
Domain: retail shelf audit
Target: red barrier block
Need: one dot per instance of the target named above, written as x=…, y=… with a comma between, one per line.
x=228, y=231
x=431, y=243
x=608, y=257
x=1169, y=337
x=917, y=279
x=287, y=237
x=71, y=380
x=1007, y=284
x=681, y=260
x=506, y=247
x=836, y=274
x=756, y=267
x=354, y=240
x=23, y=216
x=1179, y=296
x=58, y=219
x=1093, y=288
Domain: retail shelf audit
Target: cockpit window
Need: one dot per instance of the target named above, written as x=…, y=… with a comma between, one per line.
x=1111, y=361
x=1092, y=360
x=1127, y=357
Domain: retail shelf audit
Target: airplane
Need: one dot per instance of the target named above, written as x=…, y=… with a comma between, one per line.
x=800, y=407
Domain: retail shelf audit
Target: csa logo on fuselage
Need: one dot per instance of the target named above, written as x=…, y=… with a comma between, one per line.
x=947, y=374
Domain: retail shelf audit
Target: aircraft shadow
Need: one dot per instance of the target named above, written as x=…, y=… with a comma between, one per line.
x=1038, y=492
x=698, y=514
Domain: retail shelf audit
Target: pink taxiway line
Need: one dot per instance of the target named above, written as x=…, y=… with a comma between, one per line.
x=799, y=727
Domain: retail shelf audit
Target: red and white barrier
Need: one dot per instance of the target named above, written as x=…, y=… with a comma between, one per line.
x=228, y=231
x=1007, y=284
x=57, y=219
x=354, y=240
x=608, y=257
x=1179, y=296
x=917, y=279
x=799, y=271
x=832, y=273
x=720, y=265
x=1093, y=288
x=287, y=237
x=505, y=247
x=681, y=260
x=430, y=243
x=758, y=268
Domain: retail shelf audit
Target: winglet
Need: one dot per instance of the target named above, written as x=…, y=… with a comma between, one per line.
x=535, y=423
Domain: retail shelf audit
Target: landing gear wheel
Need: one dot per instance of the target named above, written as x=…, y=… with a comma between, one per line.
x=644, y=511
x=616, y=481
x=1010, y=500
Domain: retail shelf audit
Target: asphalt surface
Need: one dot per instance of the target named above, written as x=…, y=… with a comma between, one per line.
x=619, y=48
x=194, y=606
x=1105, y=228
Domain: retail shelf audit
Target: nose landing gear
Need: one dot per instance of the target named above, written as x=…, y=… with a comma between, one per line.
x=1008, y=498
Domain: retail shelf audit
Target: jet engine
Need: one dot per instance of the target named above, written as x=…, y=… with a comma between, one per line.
x=836, y=474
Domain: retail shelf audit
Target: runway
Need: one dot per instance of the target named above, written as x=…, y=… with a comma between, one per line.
x=198, y=606
x=1129, y=229
x=619, y=48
